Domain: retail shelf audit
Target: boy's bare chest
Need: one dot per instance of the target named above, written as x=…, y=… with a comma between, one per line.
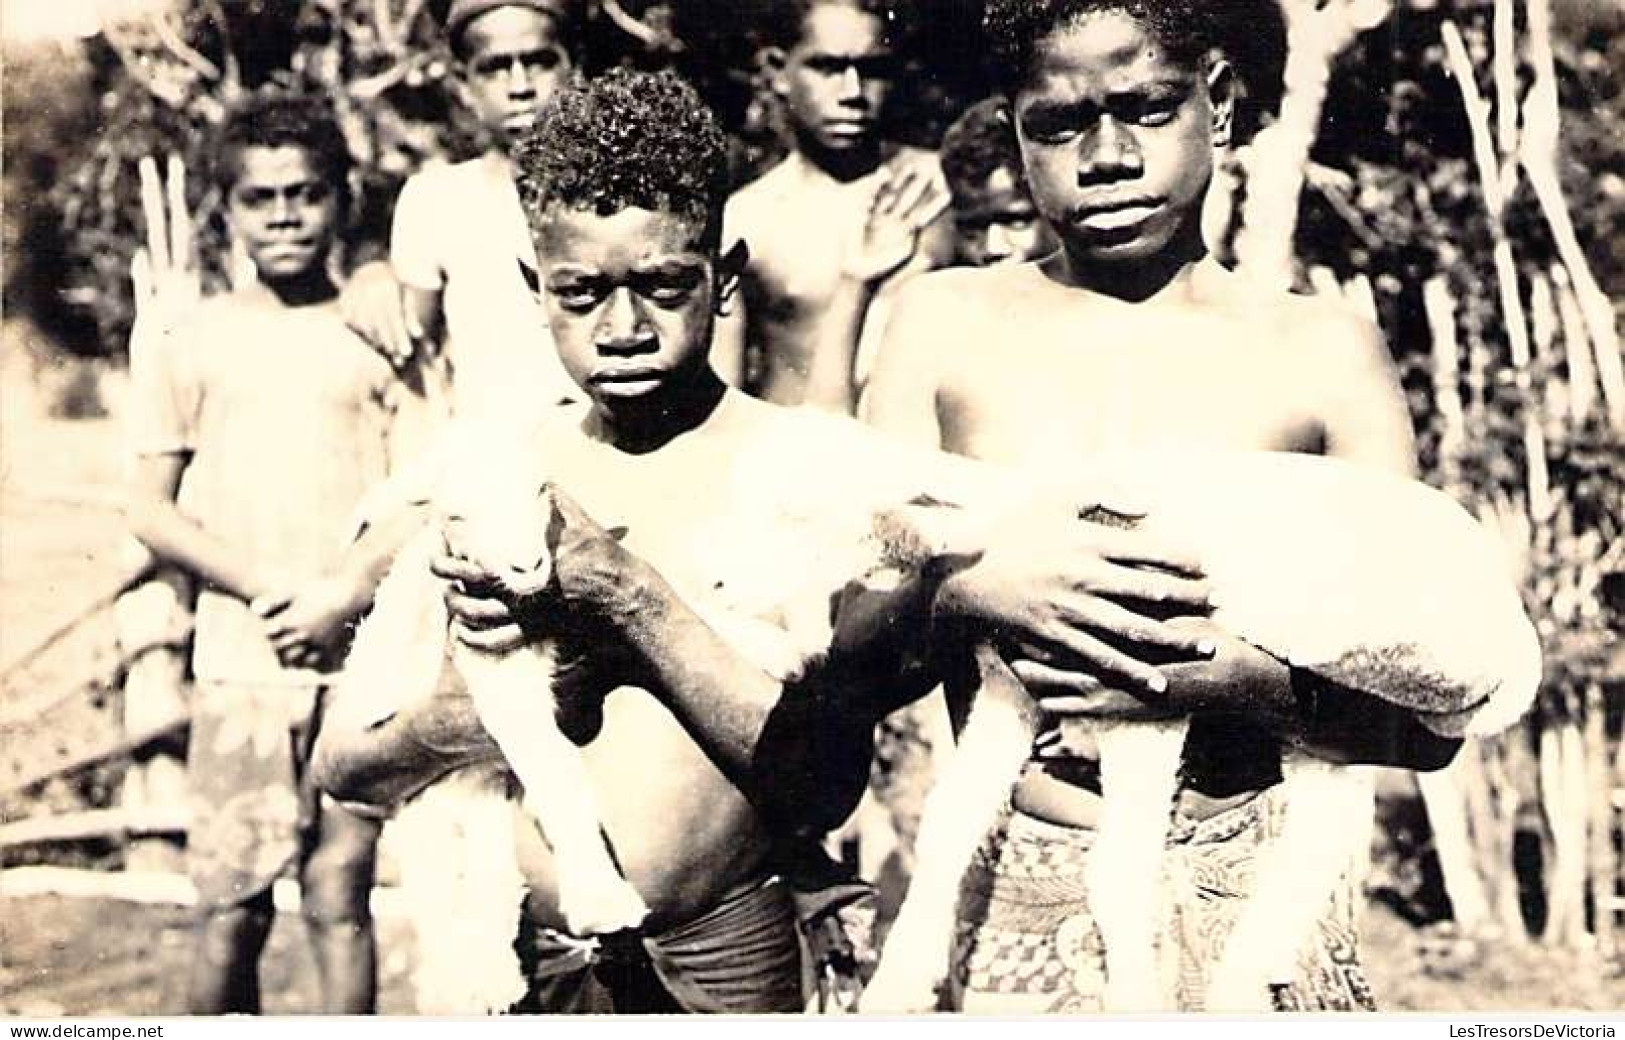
x=1154, y=387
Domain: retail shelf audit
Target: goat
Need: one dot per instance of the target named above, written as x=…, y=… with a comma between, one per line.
x=1347, y=572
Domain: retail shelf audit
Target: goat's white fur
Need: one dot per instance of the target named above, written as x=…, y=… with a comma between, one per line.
x=1340, y=570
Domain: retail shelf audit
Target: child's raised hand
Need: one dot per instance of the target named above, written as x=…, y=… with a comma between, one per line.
x=908, y=199
x=163, y=272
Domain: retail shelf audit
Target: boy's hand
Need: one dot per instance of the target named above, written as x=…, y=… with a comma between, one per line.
x=303, y=626
x=1237, y=677
x=163, y=273
x=905, y=202
x=1062, y=596
x=375, y=310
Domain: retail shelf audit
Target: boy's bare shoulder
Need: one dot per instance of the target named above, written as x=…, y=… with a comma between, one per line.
x=756, y=200
x=959, y=293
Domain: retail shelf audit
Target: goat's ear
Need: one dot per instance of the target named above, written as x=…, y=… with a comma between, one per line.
x=533, y=280
x=619, y=533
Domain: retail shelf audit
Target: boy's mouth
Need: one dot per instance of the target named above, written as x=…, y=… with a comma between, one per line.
x=1110, y=217
x=626, y=381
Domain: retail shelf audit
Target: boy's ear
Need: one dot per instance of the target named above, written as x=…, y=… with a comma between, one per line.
x=730, y=268
x=1221, y=92
x=771, y=61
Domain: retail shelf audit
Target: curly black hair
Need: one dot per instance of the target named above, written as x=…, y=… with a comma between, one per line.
x=626, y=139
x=980, y=142
x=277, y=119
x=781, y=22
x=1187, y=29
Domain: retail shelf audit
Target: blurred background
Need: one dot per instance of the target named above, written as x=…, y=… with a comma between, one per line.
x=1461, y=181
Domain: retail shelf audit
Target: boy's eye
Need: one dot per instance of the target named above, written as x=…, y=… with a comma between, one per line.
x=495, y=65
x=866, y=68
x=668, y=290
x=577, y=296
x=1051, y=132
x=1156, y=113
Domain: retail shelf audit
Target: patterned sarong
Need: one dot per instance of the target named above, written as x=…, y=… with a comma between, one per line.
x=252, y=807
x=1027, y=943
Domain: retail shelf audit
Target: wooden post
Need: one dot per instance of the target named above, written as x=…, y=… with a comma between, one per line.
x=152, y=619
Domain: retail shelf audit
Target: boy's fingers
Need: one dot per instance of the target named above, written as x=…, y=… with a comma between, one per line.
x=455, y=568
x=1148, y=586
x=1087, y=648
x=1046, y=682
x=141, y=278
x=886, y=195
x=1099, y=615
x=1129, y=546
x=477, y=611
x=180, y=218
x=152, y=209
x=490, y=640
x=928, y=207
x=266, y=606
x=910, y=198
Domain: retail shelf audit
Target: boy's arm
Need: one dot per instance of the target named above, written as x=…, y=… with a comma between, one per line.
x=172, y=537
x=381, y=767
x=1362, y=406
x=887, y=249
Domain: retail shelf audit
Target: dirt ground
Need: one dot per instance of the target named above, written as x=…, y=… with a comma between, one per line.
x=61, y=544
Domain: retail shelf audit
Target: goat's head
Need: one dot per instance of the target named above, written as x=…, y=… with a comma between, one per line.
x=502, y=523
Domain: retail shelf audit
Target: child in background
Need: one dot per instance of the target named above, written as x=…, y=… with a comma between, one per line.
x=278, y=420
x=455, y=307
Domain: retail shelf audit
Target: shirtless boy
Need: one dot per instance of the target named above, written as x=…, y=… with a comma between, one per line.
x=701, y=763
x=832, y=67
x=1131, y=336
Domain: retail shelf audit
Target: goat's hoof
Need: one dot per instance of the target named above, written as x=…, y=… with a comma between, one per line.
x=602, y=907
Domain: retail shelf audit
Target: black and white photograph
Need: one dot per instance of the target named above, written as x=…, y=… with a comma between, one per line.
x=1035, y=509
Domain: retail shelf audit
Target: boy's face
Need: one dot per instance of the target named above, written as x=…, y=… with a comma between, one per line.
x=512, y=62
x=997, y=222
x=283, y=210
x=1117, y=138
x=629, y=297
x=835, y=80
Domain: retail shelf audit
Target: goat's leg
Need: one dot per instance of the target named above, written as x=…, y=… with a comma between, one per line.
x=463, y=889
x=1139, y=778
x=512, y=696
x=1328, y=817
x=962, y=807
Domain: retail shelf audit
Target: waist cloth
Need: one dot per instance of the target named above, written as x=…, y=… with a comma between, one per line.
x=1026, y=942
x=253, y=807
x=742, y=957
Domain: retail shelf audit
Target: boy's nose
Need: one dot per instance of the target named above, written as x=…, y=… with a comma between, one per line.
x=284, y=212
x=624, y=328
x=1107, y=152
x=519, y=84
x=999, y=245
